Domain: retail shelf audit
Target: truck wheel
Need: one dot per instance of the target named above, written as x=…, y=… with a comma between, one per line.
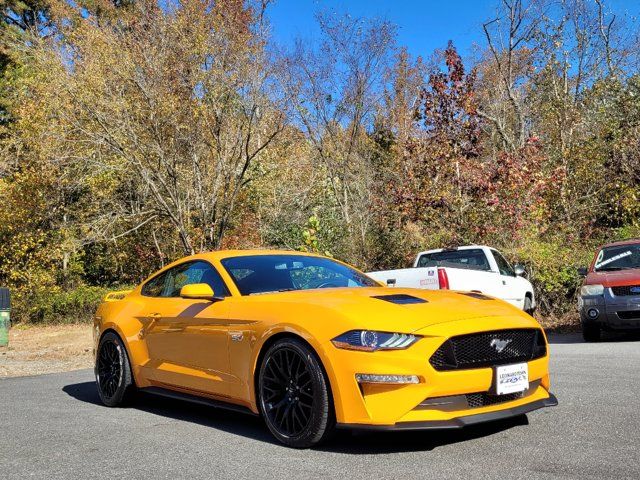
x=591, y=332
x=528, y=305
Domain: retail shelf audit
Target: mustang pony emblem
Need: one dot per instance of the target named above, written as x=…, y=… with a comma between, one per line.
x=499, y=345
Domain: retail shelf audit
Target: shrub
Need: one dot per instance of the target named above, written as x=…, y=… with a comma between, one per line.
x=552, y=267
x=58, y=306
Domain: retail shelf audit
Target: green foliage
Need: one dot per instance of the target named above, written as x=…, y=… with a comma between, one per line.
x=122, y=147
x=59, y=306
x=311, y=237
x=552, y=267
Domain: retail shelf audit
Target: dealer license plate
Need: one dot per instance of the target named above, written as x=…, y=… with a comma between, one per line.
x=512, y=378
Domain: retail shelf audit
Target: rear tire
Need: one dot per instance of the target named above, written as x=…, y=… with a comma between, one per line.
x=294, y=396
x=113, y=371
x=591, y=332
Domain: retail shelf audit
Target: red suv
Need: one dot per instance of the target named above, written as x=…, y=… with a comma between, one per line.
x=610, y=295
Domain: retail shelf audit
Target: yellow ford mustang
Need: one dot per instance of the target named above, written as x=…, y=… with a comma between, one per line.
x=311, y=343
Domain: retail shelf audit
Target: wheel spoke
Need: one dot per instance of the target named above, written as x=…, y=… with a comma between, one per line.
x=109, y=369
x=286, y=391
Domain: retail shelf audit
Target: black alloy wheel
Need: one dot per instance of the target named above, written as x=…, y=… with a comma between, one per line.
x=294, y=394
x=112, y=370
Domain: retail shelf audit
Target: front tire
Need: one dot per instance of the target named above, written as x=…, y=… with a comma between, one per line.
x=113, y=371
x=591, y=332
x=294, y=396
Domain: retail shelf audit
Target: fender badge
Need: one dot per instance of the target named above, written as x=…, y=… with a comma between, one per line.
x=236, y=336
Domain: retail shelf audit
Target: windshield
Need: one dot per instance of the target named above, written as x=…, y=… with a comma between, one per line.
x=621, y=257
x=280, y=273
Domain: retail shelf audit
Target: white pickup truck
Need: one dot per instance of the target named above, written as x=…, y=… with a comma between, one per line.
x=474, y=268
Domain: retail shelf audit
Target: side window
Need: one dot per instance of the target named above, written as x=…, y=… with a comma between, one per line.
x=503, y=265
x=155, y=286
x=193, y=272
x=171, y=282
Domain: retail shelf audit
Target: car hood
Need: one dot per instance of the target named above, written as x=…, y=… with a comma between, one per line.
x=398, y=309
x=619, y=278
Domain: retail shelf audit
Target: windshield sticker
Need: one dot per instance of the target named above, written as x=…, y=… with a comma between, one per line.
x=612, y=259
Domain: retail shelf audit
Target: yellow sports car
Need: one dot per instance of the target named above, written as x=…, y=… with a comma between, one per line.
x=311, y=344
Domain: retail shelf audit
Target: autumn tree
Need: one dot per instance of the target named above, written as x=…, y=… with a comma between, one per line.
x=180, y=102
x=435, y=173
x=335, y=91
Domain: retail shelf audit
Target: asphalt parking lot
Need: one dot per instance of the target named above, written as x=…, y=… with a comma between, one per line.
x=52, y=426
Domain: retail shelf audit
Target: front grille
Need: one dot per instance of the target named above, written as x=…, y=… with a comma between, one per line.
x=477, y=400
x=629, y=315
x=480, y=350
x=625, y=291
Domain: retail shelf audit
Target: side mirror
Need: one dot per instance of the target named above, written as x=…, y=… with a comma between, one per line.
x=518, y=270
x=582, y=271
x=197, y=290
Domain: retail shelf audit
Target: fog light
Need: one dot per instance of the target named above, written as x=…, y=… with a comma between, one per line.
x=593, y=313
x=394, y=379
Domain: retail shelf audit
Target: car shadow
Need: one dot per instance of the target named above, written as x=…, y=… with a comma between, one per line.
x=226, y=420
x=344, y=441
x=381, y=442
x=607, y=337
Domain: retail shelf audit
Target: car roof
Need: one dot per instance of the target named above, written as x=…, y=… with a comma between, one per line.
x=630, y=241
x=222, y=254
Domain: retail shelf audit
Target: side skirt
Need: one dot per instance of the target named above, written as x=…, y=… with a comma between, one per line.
x=209, y=402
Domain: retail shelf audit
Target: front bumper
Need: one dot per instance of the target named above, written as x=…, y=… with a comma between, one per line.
x=390, y=406
x=611, y=311
x=460, y=422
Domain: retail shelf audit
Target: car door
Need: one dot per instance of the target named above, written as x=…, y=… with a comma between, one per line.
x=187, y=339
x=510, y=289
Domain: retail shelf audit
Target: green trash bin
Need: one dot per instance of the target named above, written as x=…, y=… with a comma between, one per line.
x=5, y=316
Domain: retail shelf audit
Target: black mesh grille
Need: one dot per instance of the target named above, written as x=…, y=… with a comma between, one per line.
x=625, y=291
x=479, y=350
x=477, y=400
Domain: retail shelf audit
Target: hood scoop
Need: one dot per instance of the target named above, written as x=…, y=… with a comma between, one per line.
x=400, y=299
x=477, y=295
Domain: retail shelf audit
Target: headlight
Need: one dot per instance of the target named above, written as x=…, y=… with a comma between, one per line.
x=588, y=290
x=370, y=341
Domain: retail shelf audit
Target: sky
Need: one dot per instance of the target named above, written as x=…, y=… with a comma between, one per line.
x=423, y=25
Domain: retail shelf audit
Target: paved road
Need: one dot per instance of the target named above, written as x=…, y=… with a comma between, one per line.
x=53, y=427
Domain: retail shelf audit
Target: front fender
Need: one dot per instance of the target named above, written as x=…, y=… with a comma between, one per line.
x=318, y=348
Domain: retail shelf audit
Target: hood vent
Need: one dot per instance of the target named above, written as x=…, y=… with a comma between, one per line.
x=477, y=295
x=400, y=299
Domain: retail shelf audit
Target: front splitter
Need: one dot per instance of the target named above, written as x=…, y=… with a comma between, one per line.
x=459, y=422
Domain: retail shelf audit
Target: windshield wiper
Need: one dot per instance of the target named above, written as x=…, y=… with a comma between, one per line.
x=273, y=291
